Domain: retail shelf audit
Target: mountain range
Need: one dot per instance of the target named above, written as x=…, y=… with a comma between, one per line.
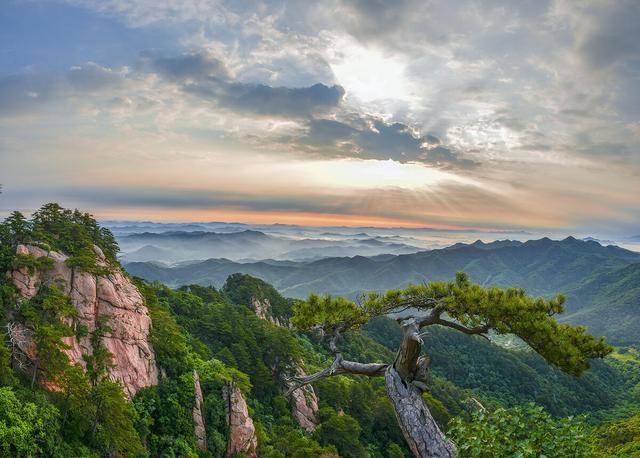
x=176, y=246
x=602, y=283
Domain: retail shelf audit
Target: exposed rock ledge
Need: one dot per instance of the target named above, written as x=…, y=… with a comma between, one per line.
x=198, y=414
x=304, y=401
x=112, y=295
x=242, y=432
x=304, y=404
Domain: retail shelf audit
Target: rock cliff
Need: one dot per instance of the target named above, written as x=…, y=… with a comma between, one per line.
x=263, y=311
x=111, y=295
x=198, y=414
x=304, y=404
x=242, y=432
x=304, y=401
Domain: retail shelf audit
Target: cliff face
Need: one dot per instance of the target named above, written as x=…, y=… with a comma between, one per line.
x=242, y=432
x=304, y=405
x=111, y=295
x=304, y=401
x=263, y=311
x=198, y=414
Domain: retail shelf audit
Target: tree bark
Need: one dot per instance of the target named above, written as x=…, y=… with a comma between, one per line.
x=416, y=422
x=405, y=382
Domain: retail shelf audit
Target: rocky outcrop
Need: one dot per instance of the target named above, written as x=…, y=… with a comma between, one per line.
x=304, y=404
x=303, y=401
x=242, y=433
x=262, y=307
x=111, y=295
x=198, y=414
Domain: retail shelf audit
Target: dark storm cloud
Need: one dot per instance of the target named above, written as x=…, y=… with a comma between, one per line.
x=373, y=138
x=195, y=66
x=208, y=78
x=283, y=101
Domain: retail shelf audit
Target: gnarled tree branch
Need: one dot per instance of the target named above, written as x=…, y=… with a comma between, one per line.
x=478, y=330
x=339, y=366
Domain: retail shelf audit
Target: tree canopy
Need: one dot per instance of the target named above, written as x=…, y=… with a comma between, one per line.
x=460, y=305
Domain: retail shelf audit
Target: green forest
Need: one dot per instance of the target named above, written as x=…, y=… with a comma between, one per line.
x=491, y=401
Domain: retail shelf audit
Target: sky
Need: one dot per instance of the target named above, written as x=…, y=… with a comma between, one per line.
x=446, y=114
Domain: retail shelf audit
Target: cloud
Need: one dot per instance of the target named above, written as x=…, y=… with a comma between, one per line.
x=196, y=66
x=207, y=78
x=92, y=77
x=281, y=101
x=25, y=93
x=608, y=33
x=370, y=137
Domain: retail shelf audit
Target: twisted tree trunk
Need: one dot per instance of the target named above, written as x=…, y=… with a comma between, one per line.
x=405, y=379
x=416, y=422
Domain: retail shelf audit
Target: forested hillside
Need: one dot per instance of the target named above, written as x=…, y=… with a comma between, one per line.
x=601, y=283
x=234, y=343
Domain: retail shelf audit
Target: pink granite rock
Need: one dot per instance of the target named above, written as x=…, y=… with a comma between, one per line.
x=198, y=414
x=113, y=296
x=304, y=404
x=242, y=433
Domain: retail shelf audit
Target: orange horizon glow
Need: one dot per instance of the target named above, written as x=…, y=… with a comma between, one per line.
x=272, y=217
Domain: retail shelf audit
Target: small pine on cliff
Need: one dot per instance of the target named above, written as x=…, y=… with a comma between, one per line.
x=74, y=304
x=63, y=300
x=54, y=228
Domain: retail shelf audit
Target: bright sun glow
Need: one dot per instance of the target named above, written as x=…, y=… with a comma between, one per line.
x=368, y=73
x=359, y=174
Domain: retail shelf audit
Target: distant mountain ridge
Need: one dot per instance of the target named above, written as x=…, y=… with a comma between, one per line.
x=177, y=246
x=543, y=267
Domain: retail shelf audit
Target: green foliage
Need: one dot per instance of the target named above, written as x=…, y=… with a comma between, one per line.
x=165, y=417
x=45, y=313
x=13, y=230
x=620, y=439
x=25, y=429
x=112, y=430
x=31, y=262
x=55, y=228
x=507, y=311
x=364, y=399
x=168, y=341
x=296, y=444
x=74, y=233
x=523, y=432
x=216, y=373
x=263, y=351
x=101, y=359
x=342, y=431
x=329, y=313
x=242, y=288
